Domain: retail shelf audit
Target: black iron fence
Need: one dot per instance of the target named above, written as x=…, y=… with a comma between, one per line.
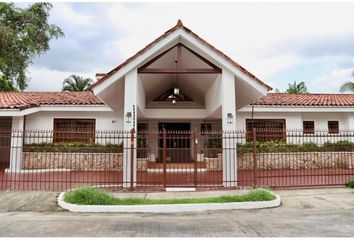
x=152, y=160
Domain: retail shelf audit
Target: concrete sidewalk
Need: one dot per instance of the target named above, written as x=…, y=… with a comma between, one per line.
x=305, y=212
x=320, y=199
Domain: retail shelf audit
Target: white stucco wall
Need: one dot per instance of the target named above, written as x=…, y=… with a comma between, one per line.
x=294, y=121
x=321, y=119
x=140, y=95
x=104, y=120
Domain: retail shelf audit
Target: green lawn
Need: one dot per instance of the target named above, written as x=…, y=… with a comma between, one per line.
x=93, y=196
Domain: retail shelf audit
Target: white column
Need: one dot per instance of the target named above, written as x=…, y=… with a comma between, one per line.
x=16, y=144
x=229, y=155
x=130, y=106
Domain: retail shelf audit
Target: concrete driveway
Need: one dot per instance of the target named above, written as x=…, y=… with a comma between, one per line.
x=306, y=212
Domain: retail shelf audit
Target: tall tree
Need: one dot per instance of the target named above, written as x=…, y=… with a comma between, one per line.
x=24, y=34
x=348, y=86
x=297, y=88
x=76, y=83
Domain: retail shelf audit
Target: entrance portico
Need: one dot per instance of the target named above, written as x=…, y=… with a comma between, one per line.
x=211, y=87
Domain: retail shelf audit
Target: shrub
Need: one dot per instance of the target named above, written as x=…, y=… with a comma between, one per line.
x=72, y=147
x=279, y=146
x=350, y=183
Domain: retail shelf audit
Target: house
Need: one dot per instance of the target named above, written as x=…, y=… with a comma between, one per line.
x=177, y=82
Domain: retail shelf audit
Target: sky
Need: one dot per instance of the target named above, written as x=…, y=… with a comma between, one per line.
x=278, y=42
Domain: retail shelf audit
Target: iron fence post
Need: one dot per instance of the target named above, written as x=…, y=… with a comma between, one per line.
x=164, y=157
x=132, y=159
x=195, y=140
x=254, y=158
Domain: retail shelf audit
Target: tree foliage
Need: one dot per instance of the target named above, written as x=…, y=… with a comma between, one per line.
x=76, y=83
x=24, y=34
x=348, y=86
x=297, y=88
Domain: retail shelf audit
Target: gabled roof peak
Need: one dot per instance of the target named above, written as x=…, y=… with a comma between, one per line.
x=179, y=23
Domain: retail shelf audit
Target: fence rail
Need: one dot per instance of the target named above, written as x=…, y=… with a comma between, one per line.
x=153, y=160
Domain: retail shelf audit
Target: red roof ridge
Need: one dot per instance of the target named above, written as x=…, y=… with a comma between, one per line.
x=306, y=99
x=167, y=33
x=311, y=93
x=22, y=100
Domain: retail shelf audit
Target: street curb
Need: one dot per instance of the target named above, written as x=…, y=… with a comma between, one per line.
x=167, y=208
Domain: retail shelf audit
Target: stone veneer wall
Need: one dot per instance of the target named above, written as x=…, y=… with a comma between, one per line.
x=73, y=161
x=114, y=161
x=214, y=164
x=298, y=160
x=142, y=164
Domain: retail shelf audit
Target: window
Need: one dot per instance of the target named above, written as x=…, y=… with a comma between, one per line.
x=5, y=123
x=266, y=129
x=309, y=127
x=333, y=127
x=74, y=130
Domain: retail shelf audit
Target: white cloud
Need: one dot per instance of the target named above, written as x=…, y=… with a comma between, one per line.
x=249, y=33
x=43, y=79
x=331, y=82
x=64, y=13
x=262, y=37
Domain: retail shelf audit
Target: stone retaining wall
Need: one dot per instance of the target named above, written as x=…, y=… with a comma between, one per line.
x=114, y=161
x=214, y=164
x=73, y=161
x=298, y=160
x=142, y=164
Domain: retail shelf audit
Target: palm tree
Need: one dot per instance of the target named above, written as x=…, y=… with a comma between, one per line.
x=76, y=83
x=348, y=86
x=297, y=88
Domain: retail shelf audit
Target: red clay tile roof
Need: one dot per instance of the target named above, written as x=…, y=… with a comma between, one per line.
x=166, y=34
x=21, y=100
x=307, y=99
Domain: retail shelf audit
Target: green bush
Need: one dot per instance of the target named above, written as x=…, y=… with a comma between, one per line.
x=279, y=146
x=73, y=147
x=339, y=146
x=350, y=183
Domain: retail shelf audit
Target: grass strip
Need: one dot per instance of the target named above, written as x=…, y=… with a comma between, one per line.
x=93, y=196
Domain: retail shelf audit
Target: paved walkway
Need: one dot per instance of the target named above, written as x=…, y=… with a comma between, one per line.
x=306, y=212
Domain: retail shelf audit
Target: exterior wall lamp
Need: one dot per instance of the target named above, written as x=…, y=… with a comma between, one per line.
x=230, y=118
x=176, y=90
x=128, y=117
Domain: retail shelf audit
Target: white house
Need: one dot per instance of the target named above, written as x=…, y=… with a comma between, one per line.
x=178, y=82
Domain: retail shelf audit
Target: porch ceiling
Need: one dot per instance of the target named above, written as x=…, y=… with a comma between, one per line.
x=194, y=86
